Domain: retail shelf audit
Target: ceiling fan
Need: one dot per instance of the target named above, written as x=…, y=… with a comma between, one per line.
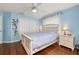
x=34, y=7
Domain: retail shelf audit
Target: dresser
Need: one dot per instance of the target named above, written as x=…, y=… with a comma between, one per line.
x=67, y=41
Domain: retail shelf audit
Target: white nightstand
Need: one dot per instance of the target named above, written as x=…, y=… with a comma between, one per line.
x=67, y=41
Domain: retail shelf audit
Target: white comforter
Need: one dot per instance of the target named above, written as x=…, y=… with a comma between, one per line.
x=42, y=38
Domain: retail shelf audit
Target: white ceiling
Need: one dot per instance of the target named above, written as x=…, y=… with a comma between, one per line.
x=14, y=7
x=43, y=9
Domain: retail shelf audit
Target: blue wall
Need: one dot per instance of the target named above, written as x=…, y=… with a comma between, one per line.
x=71, y=18
x=18, y=16
x=8, y=34
x=6, y=27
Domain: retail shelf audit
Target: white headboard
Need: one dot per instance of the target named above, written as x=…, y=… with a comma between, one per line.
x=50, y=28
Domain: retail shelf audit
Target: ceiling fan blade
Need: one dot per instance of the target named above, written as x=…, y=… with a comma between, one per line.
x=36, y=4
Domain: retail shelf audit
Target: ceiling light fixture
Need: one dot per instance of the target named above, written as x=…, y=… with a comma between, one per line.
x=34, y=7
x=34, y=10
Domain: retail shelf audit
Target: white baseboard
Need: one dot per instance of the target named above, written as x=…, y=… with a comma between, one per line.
x=0, y=42
x=9, y=41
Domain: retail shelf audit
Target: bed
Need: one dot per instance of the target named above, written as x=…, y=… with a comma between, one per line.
x=36, y=41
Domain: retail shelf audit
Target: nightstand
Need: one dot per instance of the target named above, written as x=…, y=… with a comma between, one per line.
x=67, y=41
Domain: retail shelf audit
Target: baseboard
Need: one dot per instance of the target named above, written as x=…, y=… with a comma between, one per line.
x=9, y=41
x=1, y=42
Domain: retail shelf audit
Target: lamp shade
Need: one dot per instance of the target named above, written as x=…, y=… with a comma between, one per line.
x=65, y=28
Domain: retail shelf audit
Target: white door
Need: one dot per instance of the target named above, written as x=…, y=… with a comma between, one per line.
x=1, y=29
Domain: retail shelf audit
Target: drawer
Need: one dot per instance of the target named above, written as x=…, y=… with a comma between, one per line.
x=66, y=38
x=70, y=39
x=69, y=44
x=61, y=42
x=66, y=41
x=66, y=44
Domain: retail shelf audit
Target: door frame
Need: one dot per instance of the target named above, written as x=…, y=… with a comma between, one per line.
x=1, y=41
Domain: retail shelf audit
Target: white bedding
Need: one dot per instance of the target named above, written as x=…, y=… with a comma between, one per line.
x=42, y=38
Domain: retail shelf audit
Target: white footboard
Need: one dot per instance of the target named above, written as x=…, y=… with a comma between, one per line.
x=27, y=44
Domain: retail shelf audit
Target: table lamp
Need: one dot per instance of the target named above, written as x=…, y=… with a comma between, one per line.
x=65, y=29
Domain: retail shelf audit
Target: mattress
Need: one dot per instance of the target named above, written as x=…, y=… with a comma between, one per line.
x=41, y=38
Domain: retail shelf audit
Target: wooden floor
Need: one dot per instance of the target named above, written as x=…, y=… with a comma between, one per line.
x=17, y=49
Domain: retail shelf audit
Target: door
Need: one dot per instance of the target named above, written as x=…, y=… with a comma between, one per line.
x=1, y=29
